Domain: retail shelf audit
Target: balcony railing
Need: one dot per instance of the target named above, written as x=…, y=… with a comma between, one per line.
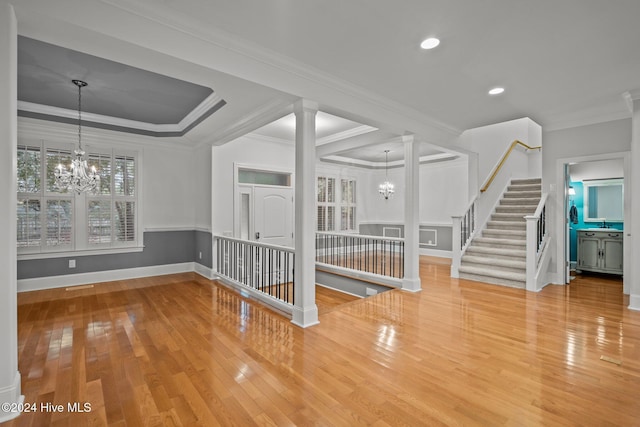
x=371, y=254
x=262, y=268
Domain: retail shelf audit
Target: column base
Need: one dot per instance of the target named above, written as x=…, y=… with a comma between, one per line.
x=411, y=285
x=11, y=394
x=634, y=302
x=305, y=317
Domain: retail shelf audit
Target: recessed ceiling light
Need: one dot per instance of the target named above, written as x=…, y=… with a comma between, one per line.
x=496, y=91
x=430, y=43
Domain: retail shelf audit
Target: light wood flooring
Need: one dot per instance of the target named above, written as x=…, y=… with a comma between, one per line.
x=180, y=350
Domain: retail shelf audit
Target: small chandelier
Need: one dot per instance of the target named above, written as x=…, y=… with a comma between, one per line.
x=386, y=188
x=79, y=179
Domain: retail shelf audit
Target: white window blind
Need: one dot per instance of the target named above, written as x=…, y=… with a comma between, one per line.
x=59, y=223
x=326, y=204
x=50, y=219
x=348, y=205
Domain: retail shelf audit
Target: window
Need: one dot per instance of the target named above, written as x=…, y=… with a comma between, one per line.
x=50, y=220
x=326, y=203
x=328, y=206
x=348, y=205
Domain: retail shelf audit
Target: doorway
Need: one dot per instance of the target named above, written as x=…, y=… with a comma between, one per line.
x=264, y=206
x=581, y=177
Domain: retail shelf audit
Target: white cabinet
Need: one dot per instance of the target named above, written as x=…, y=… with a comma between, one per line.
x=600, y=251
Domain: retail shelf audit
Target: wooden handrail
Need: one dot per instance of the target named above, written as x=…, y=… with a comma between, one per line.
x=504, y=159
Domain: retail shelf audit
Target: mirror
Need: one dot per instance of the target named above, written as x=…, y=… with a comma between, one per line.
x=603, y=200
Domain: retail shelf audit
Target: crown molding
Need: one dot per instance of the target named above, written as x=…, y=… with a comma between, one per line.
x=441, y=157
x=37, y=129
x=208, y=106
x=586, y=121
x=255, y=119
x=349, y=133
x=630, y=96
x=419, y=122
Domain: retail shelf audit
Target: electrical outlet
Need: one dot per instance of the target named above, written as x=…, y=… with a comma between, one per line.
x=200, y=255
x=72, y=263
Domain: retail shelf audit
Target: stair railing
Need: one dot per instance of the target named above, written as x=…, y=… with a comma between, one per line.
x=537, y=238
x=464, y=229
x=503, y=160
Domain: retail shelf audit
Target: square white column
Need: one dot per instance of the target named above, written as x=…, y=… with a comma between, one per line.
x=9, y=375
x=411, y=280
x=305, y=311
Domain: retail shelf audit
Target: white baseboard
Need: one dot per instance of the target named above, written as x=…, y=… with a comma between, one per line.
x=62, y=281
x=11, y=395
x=435, y=252
x=204, y=271
x=634, y=302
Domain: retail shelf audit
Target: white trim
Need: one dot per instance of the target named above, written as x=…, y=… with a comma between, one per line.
x=422, y=224
x=634, y=302
x=255, y=119
x=190, y=118
x=381, y=165
x=37, y=130
x=585, y=121
x=436, y=253
x=362, y=275
x=204, y=271
x=349, y=133
x=11, y=395
x=434, y=242
x=62, y=281
x=340, y=290
x=80, y=253
x=181, y=228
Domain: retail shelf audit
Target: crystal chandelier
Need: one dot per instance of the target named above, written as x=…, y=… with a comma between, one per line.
x=79, y=179
x=386, y=188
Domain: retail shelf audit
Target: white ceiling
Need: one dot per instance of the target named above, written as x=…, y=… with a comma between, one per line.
x=563, y=63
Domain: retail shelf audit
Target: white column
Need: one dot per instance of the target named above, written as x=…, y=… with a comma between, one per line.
x=634, y=290
x=305, y=311
x=411, y=280
x=9, y=375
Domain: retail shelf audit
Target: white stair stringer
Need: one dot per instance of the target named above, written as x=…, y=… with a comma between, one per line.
x=497, y=255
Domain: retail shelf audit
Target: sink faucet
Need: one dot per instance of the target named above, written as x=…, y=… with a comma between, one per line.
x=604, y=223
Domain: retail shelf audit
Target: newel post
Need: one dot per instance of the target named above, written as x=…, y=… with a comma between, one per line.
x=456, y=246
x=531, y=249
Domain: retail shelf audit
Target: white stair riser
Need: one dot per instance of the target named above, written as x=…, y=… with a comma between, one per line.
x=507, y=225
x=502, y=257
x=519, y=202
x=493, y=280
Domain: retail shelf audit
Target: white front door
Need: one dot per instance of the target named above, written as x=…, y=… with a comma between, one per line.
x=273, y=215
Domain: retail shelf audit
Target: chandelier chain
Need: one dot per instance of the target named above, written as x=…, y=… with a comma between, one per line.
x=80, y=117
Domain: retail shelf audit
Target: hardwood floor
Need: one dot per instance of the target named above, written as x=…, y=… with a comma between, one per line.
x=180, y=350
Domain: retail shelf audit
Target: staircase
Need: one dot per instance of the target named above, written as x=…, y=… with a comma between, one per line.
x=498, y=255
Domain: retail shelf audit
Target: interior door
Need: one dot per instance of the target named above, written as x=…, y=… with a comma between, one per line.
x=273, y=215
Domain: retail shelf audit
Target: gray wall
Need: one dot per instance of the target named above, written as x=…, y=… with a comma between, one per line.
x=444, y=233
x=160, y=248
